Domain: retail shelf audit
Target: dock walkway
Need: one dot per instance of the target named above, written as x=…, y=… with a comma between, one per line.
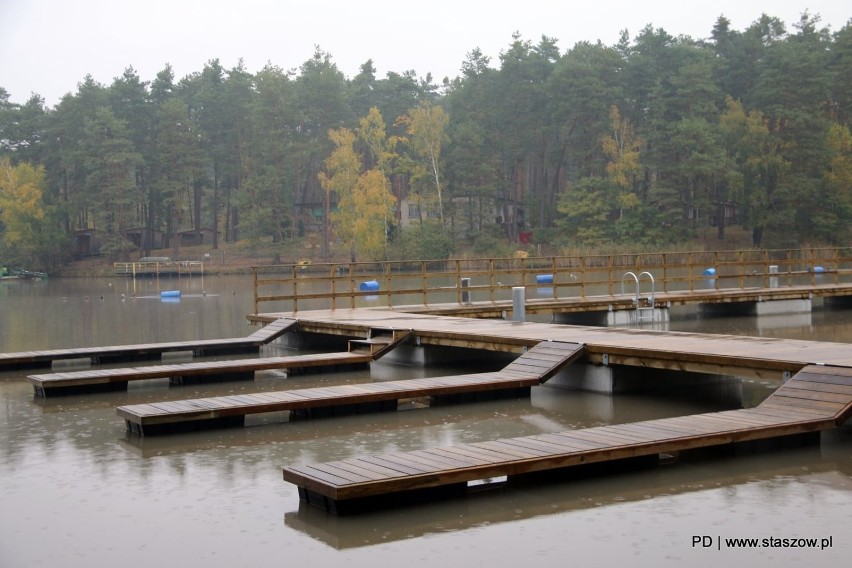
x=148, y=351
x=74, y=382
x=753, y=357
x=815, y=399
x=532, y=368
x=361, y=352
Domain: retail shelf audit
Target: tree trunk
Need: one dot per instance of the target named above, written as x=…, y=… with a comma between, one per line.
x=215, y=208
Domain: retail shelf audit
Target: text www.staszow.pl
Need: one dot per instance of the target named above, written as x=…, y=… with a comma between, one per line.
x=706, y=541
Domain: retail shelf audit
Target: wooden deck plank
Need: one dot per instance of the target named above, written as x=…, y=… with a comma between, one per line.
x=369, y=473
x=484, y=452
x=452, y=460
x=320, y=475
x=841, y=388
x=426, y=465
x=779, y=405
x=518, y=451
x=407, y=468
x=535, y=443
x=655, y=431
x=348, y=476
x=571, y=440
x=787, y=414
x=804, y=403
x=815, y=394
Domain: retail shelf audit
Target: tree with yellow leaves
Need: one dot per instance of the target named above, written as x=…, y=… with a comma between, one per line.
x=21, y=210
x=622, y=151
x=365, y=206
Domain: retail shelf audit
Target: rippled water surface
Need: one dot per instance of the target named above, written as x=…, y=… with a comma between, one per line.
x=77, y=491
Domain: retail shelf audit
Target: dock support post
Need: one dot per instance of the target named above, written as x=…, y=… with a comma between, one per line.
x=519, y=309
x=773, y=280
x=465, y=286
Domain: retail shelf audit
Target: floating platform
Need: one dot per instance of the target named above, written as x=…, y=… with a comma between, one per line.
x=273, y=329
x=77, y=382
x=360, y=353
x=532, y=368
x=817, y=398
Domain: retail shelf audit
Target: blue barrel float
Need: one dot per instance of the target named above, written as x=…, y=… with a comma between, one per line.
x=369, y=286
x=709, y=272
x=544, y=279
x=170, y=296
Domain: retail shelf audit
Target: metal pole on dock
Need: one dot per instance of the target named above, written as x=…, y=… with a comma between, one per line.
x=519, y=309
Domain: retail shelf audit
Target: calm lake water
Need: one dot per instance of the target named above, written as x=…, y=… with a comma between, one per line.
x=77, y=491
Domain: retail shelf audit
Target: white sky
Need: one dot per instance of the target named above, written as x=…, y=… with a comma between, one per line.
x=48, y=46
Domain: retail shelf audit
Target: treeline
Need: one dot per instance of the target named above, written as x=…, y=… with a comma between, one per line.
x=646, y=142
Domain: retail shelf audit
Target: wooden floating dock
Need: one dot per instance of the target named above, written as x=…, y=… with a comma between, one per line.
x=532, y=368
x=815, y=399
x=751, y=357
x=361, y=352
x=76, y=382
x=149, y=351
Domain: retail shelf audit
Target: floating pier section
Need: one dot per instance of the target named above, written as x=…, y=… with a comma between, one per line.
x=817, y=398
x=532, y=368
x=272, y=330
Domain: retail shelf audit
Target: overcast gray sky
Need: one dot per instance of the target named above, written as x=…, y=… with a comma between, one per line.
x=49, y=46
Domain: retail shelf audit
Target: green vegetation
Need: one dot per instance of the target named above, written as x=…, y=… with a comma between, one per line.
x=656, y=141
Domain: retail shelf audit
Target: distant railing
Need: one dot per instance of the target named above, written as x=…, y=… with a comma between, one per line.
x=394, y=283
x=157, y=267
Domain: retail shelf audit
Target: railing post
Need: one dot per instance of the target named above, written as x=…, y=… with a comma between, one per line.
x=332, y=278
x=741, y=264
x=423, y=282
x=554, y=270
x=789, y=267
x=295, y=289
x=689, y=268
x=491, y=279
x=835, y=253
x=609, y=273
x=459, y=282
x=387, y=270
x=351, y=286
x=718, y=276
x=254, y=284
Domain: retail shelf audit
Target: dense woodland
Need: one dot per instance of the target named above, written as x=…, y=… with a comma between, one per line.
x=650, y=142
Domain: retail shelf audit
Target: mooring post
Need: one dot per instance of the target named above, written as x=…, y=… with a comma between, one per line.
x=465, y=295
x=519, y=309
x=773, y=280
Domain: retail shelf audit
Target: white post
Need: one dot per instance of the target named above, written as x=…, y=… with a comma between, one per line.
x=519, y=310
x=773, y=280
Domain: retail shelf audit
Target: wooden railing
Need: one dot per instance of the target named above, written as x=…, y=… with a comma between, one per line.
x=393, y=283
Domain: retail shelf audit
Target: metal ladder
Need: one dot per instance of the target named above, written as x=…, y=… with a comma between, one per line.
x=644, y=305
